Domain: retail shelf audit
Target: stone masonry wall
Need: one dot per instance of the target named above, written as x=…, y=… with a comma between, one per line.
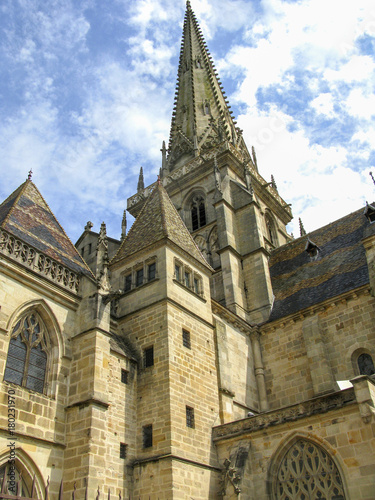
x=346, y=327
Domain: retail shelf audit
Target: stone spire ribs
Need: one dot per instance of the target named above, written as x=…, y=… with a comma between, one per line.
x=201, y=115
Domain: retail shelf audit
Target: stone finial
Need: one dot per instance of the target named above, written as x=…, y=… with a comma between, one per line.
x=164, y=167
x=247, y=174
x=302, y=231
x=102, y=234
x=30, y=175
x=88, y=226
x=217, y=175
x=273, y=183
x=123, y=226
x=141, y=182
x=254, y=157
x=102, y=260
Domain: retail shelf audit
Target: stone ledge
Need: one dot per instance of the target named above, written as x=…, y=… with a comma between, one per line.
x=291, y=413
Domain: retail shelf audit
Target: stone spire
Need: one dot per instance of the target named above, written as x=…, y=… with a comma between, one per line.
x=201, y=115
x=302, y=231
x=141, y=182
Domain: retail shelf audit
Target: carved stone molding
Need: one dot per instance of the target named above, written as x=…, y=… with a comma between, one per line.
x=38, y=262
x=308, y=408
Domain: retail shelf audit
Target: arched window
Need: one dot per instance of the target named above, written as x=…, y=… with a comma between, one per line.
x=271, y=232
x=198, y=212
x=16, y=482
x=307, y=471
x=365, y=364
x=27, y=354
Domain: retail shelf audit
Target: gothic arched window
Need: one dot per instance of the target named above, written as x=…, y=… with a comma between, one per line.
x=271, y=232
x=365, y=364
x=14, y=477
x=27, y=354
x=198, y=212
x=307, y=471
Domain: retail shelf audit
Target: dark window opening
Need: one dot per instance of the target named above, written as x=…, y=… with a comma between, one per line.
x=186, y=339
x=187, y=279
x=128, y=282
x=123, y=450
x=365, y=364
x=27, y=358
x=147, y=436
x=196, y=286
x=177, y=272
x=190, y=417
x=151, y=271
x=124, y=376
x=139, y=277
x=148, y=357
x=198, y=213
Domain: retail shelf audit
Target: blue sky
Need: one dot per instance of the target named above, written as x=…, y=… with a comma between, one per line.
x=86, y=97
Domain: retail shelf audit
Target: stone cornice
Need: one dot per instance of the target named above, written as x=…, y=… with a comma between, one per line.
x=231, y=317
x=315, y=309
x=316, y=406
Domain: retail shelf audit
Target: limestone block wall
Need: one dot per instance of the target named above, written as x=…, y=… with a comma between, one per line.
x=39, y=418
x=341, y=433
x=148, y=292
x=349, y=329
x=302, y=361
x=101, y=415
x=286, y=366
x=236, y=371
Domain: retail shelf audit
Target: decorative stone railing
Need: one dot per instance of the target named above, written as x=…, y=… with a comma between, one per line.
x=38, y=262
x=308, y=408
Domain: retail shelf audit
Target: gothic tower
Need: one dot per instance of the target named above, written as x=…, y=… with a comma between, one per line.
x=234, y=215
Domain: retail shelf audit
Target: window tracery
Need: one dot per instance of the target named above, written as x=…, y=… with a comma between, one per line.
x=198, y=212
x=307, y=471
x=28, y=353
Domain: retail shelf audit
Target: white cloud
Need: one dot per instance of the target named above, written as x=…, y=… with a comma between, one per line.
x=361, y=104
x=323, y=104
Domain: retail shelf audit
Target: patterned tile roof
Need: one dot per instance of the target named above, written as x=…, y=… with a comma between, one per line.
x=299, y=281
x=158, y=220
x=26, y=215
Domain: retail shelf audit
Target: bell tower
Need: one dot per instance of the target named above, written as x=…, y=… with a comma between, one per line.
x=234, y=215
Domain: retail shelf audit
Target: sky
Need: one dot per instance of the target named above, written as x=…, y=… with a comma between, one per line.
x=87, y=88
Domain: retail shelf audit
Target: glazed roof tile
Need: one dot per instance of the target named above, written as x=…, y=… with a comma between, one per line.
x=299, y=281
x=158, y=220
x=26, y=215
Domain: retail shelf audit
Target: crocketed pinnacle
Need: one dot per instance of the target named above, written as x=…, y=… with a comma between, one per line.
x=201, y=115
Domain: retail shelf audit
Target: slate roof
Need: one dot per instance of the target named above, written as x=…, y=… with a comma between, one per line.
x=158, y=220
x=26, y=215
x=299, y=282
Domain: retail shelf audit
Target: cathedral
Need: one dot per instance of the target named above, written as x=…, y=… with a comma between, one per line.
x=207, y=354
